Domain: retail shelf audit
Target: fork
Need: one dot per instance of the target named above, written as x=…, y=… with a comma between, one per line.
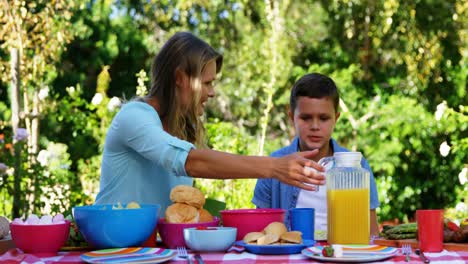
x=182, y=253
x=406, y=250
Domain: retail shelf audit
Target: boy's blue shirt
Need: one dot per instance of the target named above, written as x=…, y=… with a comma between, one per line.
x=271, y=193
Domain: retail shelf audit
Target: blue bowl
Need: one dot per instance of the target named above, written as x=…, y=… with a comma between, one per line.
x=104, y=227
x=210, y=238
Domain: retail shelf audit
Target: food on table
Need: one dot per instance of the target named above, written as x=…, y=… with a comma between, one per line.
x=452, y=226
x=205, y=228
x=33, y=219
x=188, y=195
x=293, y=237
x=455, y=233
x=402, y=231
x=130, y=205
x=133, y=205
x=464, y=223
x=4, y=227
x=276, y=228
x=452, y=232
x=268, y=239
x=458, y=237
x=205, y=216
x=182, y=213
x=328, y=251
x=275, y=233
x=448, y=235
x=116, y=207
x=338, y=251
x=252, y=237
x=187, y=206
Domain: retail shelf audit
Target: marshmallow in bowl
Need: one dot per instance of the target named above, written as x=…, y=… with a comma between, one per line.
x=45, y=220
x=58, y=219
x=18, y=221
x=33, y=219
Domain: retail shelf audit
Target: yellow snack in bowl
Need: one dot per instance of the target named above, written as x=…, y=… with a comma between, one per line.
x=118, y=206
x=133, y=205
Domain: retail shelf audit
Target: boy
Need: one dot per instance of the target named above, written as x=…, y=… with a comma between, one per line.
x=313, y=112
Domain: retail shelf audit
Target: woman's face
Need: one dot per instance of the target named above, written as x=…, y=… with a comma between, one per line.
x=207, y=81
x=208, y=76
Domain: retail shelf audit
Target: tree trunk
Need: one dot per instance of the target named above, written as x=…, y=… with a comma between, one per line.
x=15, y=120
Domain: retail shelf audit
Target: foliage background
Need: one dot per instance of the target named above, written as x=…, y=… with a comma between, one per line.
x=401, y=68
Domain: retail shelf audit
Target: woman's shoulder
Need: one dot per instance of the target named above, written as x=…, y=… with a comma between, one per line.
x=137, y=108
x=137, y=112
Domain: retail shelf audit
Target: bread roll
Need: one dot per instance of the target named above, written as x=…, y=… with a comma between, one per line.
x=182, y=213
x=187, y=195
x=291, y=237
x=252, y=237
x=205, y=216
x=268, y=239
x=276, y=228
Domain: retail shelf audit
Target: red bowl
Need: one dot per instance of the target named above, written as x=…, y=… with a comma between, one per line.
x=251, y=220
x=172, y=235
x=43, y=240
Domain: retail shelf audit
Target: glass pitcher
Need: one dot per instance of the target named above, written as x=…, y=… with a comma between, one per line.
x=348, y=200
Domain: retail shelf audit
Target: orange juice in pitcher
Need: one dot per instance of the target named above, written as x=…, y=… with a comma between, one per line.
x=348, y=203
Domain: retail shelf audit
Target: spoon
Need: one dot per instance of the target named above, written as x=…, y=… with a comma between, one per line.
x=421, y=255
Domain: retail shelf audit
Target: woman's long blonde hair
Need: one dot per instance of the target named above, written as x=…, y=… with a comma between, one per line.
x=185, y=52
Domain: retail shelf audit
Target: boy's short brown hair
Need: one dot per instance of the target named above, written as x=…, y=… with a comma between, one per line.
x=314, y=85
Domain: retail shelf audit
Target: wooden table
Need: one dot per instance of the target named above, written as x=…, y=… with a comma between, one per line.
x=6, y=244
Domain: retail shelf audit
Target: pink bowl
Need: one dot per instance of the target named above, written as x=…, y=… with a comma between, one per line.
x=251, y=220
x=173, y=234
x=42, y=240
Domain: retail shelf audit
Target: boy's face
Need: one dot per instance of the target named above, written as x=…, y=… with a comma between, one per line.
x=314, y=120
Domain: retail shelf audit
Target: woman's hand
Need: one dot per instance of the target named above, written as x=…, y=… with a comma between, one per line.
x=292, y=169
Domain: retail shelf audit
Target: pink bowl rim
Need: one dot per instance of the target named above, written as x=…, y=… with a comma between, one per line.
x=257, y=211
x=66, y=221
x=162, y=221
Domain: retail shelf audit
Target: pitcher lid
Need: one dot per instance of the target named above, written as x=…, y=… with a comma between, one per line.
x=348, y=157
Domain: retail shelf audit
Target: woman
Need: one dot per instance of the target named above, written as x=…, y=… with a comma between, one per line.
x=150, y=145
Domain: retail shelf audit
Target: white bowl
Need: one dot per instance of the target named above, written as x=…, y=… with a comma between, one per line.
x=210, y=239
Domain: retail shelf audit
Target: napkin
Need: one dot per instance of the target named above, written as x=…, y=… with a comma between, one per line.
x=236, y=248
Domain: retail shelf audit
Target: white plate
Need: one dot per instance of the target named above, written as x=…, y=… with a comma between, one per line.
x=372, y=255
x=129, y=255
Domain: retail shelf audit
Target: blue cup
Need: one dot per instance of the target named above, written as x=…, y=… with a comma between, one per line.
x=303, y=219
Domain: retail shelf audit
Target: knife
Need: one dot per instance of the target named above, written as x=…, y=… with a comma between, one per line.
x=421, y=255
x=199, y=259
